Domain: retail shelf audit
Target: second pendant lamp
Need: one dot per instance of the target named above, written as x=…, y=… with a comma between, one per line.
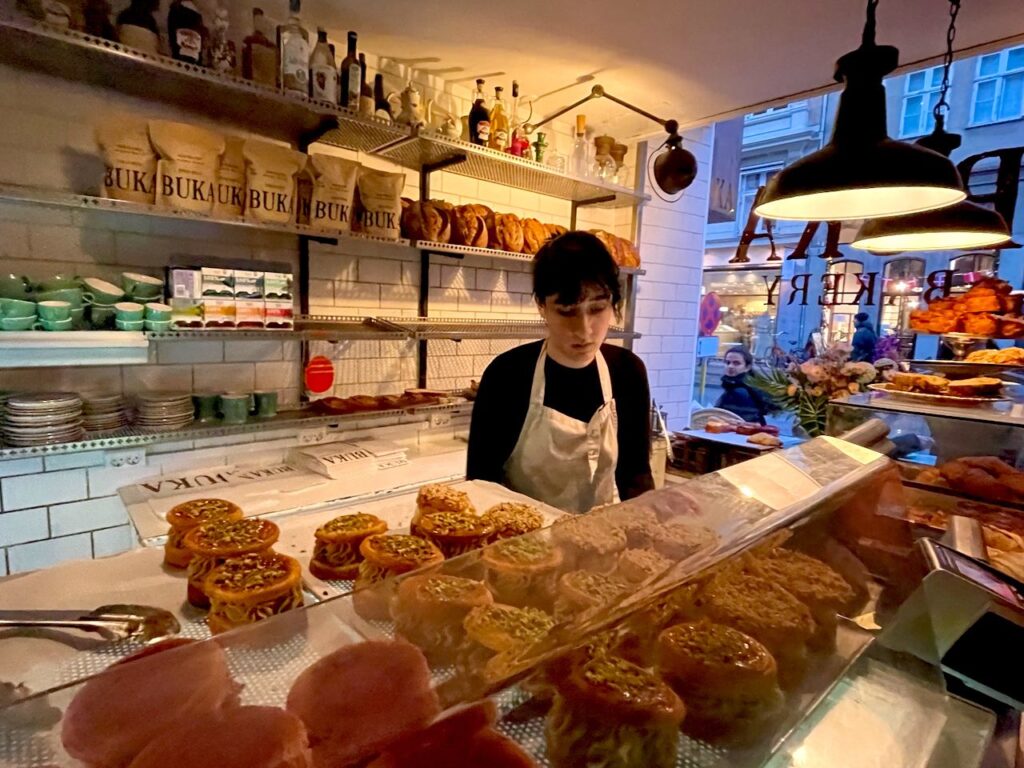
x=862, y=173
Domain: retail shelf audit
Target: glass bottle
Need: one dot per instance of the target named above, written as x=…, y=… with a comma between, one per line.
x=323, y=70
x=479, y=118
x=137, y=27
x=382, y=107
x=540, y=145
x=499, y=121
x=222, y=50
x=579, y=164
x=259, y=56
x=293, y=53
x=366, y=100
x=186, y=32
x=351, y=79
x=603, y=166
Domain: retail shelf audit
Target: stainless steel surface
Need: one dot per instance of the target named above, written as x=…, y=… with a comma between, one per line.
x=112, y=622
x=965, y=536
x=307, y=328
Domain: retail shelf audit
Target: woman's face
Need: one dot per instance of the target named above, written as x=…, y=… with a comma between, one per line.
x=577, y=331
x=735, y=364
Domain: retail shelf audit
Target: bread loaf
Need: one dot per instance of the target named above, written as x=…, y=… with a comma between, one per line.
x=555, y=230
x=534, y=235
x=469, y=227
x=505, y=232
x=426, y=221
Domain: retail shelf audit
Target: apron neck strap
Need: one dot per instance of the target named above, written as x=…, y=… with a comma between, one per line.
x=538, y=387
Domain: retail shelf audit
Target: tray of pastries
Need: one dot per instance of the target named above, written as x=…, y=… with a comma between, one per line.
x=923, y=387
x=989, y=308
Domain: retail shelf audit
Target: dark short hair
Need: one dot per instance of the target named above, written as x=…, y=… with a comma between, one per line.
x=860, y=317
x=742, y=352
x=568, y=265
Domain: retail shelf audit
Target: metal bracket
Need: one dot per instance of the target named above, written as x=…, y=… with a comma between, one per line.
x=577, y=204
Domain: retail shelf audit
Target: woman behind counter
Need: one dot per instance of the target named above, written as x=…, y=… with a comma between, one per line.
x=566, y=420
x=738, y=396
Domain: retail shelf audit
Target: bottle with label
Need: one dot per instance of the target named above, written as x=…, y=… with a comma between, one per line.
x=186, y=32
x=323, y=70
x=293, y=53
x=579, y=160
x=222, y=51
x=259, y=56
x=479, y=117
x=137, y=27
x=499, y=121
x=351, y=77
x=382, y=107
x=366, y=100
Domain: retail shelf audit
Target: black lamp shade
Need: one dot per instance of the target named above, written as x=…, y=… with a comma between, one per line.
x=962, y=226
x=674, y=170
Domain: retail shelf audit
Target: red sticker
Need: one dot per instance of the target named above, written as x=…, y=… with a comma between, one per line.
x=319, y=374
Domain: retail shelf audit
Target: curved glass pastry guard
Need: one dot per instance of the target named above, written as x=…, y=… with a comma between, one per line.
x=819, y=498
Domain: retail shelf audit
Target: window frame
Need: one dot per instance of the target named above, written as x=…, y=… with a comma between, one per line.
x=763, y=170
x=999, y=78
x=925, y=122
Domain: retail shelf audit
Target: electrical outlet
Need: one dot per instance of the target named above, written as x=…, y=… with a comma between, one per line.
x=129, y=457
x=440, y=419
x=313, y=436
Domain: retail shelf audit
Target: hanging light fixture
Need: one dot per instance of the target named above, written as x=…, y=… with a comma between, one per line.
x=862, y=173
x=962, y=226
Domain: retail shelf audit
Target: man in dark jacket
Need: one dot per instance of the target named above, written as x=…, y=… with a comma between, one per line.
x=864, y=339
x=739, y=397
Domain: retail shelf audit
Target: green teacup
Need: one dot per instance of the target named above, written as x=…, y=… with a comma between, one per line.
x=78, y=318
x=72, y=296
x=266, y=404
x=14, y=287
x=101, y=316
x=54, y=311
x=206, y=405
x=17, y=323
x=234, y=409
x=129, y=311
x=129, y=325
x=57, y=283
x=158, y=326
x=159, y=312
x=17, y=308
x=57, y=325
x=141, y=286
x=99, y=291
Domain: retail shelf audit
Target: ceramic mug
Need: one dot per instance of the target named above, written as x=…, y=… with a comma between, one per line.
x=102, y=316
x=14, y=287
x=54, y=311
x=157, y=311
x=234, y=409
x=57, y=283
x=78, y=318
x=73, y=296
x=17, y=323
x=206, y=405
x=141, y=286
x=129, y=311
x=57, y=325
x=99, y=291
x=17, y=308
x=159, y=326
x=266, y=403
x=129, y=325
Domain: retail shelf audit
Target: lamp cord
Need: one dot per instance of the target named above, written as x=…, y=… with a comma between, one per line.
x=868, y=38
x=941, y=106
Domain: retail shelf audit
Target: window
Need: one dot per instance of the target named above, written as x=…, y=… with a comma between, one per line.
x=970, y=268
x=774, y=111
x=920, y=94
x=751, y=180
x=837, y=320
x=902, y=285
x=999, y=87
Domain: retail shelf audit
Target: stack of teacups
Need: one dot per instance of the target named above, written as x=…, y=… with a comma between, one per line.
x=64, y=288
x=102, y=296
x=158, y=316
x=17, y=315
x=42, y=419
x=164, y=410
x=142, y=289
x=128, y=316
x=54, y=316
x=102, y=413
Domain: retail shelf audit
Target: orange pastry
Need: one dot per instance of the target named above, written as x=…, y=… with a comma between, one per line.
x=247, y=589
x=213, y=544
x=191, y=514
x=336, y=549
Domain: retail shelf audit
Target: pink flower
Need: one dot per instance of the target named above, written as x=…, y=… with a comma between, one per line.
x=814, y=372
x=791, y=390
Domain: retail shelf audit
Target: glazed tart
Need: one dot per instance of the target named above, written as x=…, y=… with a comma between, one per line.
x=589, y=542
x=385, y=556
x=191, y=514
x=455, y=533
x=252, y=587
x=438, y=497
x=212, y=544
x=336, y=549
x=511, y=519
x=522, y=571
x=429, y=609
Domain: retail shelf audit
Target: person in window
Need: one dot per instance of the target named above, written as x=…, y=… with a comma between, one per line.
x=864, y=339
x=739, y=397
x=566, y=420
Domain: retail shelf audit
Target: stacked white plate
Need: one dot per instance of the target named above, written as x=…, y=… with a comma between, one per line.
x=103, y=413
x=159, y=411
x=42, y=419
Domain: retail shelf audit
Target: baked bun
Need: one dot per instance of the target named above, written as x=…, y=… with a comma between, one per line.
x=728, y=679
x=511, y=518
x=638, y=565
x=426, y=221
x=640, y=524
x=214, y=543
x=438, y=497
x=385, y=556
x=479, y=210
x=765, y=439
x=428, y=611
x=505, y=232
x=247, y=589
x=608, y=711
x=455, y=533
x=583, y=590
x=589, y=543
x=979, y=386
x=980, y=324
x=534, y=235
x=336, y=549
x=679, y=540
x=522, y=571
x=469, y=227
x=555, y=230
x=630, y=253
x=191, y=514
x=717, y=427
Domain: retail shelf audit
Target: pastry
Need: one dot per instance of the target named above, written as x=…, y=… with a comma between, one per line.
x=980, y=386
x=455, y=533
x=630, y=253
x=679, y=540
x=918, y=382
x=426, y=221
x=534, y=235
x=479, y=210
x=980, y=324
x=214, y=543
x=588, y=542
x=763, y=438
x=610, y=712
x=981, y=300
x=191, y=514
x=717, y=427
x=437, y=497
x=336, y=549
x=554, y=230
x=728, y=679
x=582, y=590
x=247, y=589
x=639, y=523
x=501, y=628
x=505, y=232
x=512, y=519
x=429, y=609
x=469, y=227
x=638, y=565
x=608, y=241
x=385, y=556
x=1008, y=356
x=522, y=571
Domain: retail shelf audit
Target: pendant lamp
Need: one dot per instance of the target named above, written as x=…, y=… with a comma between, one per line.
x=862, y=173
x=962, y=226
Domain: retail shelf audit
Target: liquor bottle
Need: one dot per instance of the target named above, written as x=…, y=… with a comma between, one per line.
x=137, y=27
x=186, y=32
x=366, y=100
x=479, y=118
x=259, y=56
x=293, y=53
x=323, y=70
x=382, y=107
x=222, y=50
x=351, y=79
x=579, y=160
x=499, y=122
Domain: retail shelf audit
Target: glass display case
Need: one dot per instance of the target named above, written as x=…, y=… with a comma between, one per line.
x=727, y=622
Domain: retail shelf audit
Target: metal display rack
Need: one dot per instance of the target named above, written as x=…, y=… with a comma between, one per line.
x=456, y=329
x=462, y=251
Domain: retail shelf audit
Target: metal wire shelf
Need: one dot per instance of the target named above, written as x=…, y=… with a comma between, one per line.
x=456, y=329
x=461, y=251
x=307, y=328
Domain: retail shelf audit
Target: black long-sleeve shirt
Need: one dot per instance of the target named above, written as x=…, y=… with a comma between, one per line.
x=504, y=397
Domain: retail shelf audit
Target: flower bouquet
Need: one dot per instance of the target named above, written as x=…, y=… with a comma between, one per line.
x=806, y=388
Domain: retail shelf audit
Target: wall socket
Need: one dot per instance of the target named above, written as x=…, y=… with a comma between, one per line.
x=312, y=436
x=130, y=457
x=440, y=419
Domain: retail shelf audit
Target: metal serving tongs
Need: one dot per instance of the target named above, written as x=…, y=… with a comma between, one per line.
x=112, y=622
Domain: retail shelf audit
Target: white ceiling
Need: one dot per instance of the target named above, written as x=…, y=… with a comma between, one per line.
x=693, y=60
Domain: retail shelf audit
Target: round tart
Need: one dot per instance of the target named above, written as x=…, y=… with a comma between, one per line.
x=252, y=587
x=511, y=519
x=677, y=541
x=438, y=497
x=336, y=548
x=502, y=628
x=638, y=565
x=455, y=533
x=212, y=544
x=583, y=590
x=522, y=571
x=429, y=609
x=385, y=556
x=191, y=514
x=589, y=542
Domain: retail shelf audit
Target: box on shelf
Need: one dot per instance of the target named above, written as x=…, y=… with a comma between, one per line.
x=187, y=313
x=218, y=282
x=250, y=313
x=248, y=284
x=278, y=314
x=219, y=313
x=277, y=285
x=185, y=283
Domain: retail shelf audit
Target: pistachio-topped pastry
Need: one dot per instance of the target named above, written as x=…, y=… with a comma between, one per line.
x=429, y=610
x=679, y=540
x=191, y=514
x=522, y=571
x=637, y=565
x=385, y=556
x=581, y=590
x=438, y=497
x=455, y=533
x=212, y=544
x=336, y=550
x=505, y=627
x=513, y=519
x=252, y=587
x=589, y=542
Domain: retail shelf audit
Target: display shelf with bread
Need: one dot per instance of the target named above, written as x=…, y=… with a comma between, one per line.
x=713, y=660
x=461, y=251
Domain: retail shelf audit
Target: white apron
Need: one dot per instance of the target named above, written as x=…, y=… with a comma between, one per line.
x=564, y=462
